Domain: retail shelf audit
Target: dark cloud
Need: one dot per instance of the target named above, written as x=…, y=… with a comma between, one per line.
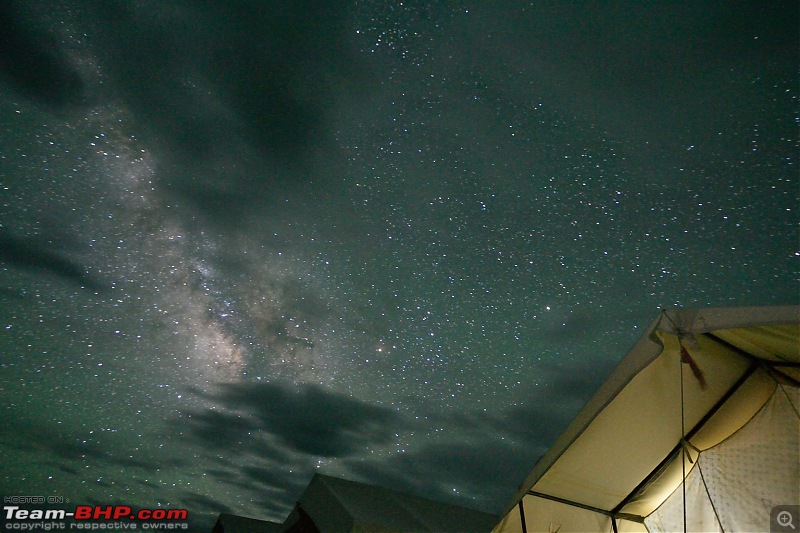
x=74, y=449
x=28, y=254
x=220, y=430
x=130, y=462
x=204, y=510
x=68, y=470
x=32, y=435
x=313, y=423
x=11, y=294
x=146, y=483
x=454, y=470
x=485, y=453
x=272, y=484
x=199, y=501
x=239, y=99
x=177, y=462
x=33, y=62
x=306, y=418
x=286, y=428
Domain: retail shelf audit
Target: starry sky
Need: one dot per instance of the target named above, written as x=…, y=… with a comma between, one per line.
x=398, y=242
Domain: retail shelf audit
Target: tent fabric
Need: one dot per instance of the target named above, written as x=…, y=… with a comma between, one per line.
x=759, y=459
x=715, y=379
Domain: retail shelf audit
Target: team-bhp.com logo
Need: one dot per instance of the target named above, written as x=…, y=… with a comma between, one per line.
x=94, y=517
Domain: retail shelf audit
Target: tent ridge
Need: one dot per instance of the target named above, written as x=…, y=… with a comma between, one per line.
x=702, y=320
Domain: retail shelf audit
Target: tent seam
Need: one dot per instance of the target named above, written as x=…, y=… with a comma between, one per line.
x=711, y=501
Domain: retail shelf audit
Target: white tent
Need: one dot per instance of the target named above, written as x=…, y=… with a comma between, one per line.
x=709, y=396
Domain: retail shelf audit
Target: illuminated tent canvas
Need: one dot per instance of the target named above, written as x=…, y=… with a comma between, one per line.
x=706, y=395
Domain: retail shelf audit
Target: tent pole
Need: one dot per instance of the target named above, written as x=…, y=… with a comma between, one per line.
x=522, y=517
x=624, y=516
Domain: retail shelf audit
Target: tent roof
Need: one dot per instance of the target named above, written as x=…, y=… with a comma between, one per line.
x=229, y=523
x=614, y=455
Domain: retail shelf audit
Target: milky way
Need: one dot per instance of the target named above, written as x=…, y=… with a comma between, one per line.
x=397, y=243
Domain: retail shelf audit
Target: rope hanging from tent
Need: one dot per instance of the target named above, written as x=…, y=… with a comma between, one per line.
x=696, y=370
x=685, y=338
x=686, y=359
x=683, y=445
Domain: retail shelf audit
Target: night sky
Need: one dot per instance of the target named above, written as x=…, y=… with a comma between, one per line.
x=398, y=242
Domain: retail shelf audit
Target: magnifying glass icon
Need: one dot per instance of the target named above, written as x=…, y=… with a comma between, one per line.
x=785, y=519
